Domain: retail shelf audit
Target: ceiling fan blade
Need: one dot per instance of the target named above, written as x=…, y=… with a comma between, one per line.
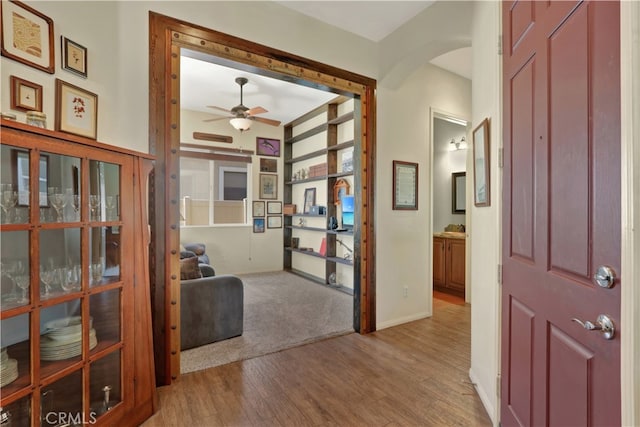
x=217, y=118
x=218, y=108
x=256, y=110
x=266, y=121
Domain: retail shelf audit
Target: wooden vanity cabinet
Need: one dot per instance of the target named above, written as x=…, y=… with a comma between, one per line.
x=449, y=265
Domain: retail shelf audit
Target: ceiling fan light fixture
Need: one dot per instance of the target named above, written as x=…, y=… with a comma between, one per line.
x=240, y=123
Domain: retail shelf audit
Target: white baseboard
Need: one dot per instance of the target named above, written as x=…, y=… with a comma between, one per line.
x=482, y=393
x=400, y=321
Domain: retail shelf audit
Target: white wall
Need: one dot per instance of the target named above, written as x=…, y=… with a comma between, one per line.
x=236, y=249
x=404, y=244
x=485, y=232
x=445, y=162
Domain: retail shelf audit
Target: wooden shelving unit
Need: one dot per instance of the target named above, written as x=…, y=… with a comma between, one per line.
x=302, y=148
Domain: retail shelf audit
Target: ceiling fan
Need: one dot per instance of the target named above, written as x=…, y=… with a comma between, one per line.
x=241, y=116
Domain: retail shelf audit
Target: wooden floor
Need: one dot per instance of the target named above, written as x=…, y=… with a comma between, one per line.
x=414, y=374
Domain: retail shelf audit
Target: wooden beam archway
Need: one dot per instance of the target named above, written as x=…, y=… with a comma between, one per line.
x=167, y=36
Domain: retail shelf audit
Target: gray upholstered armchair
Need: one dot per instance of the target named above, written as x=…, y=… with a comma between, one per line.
x=211, y=309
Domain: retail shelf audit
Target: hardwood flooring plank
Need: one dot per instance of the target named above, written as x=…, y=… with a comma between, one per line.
x=409, y=375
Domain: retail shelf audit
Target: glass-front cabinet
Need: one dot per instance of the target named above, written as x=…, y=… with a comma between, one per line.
x=66, y=283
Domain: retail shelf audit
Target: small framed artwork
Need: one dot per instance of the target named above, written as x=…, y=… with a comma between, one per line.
x=268, y=186
x=27, y=36
x=25, y=95
x=309, y=199
x=269, y=165
x=274, y=222
x=267, y=147
x=76, y=110
x=258, y=225
x=274, y=208
x=74, y=57
x=258, y=208
x=340, y=188
x=405, y=185
x=481, y=165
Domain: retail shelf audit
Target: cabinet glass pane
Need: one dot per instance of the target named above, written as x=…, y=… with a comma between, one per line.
x=61, y=402
x=14, y=354
x=105, y=384
x=14, y=185
x=16, y=414
x=61, y=336
x=104, y=309
x=14, y=266
x=62, y=188
x=104, y=186
x=60, y=267
x=104, y=255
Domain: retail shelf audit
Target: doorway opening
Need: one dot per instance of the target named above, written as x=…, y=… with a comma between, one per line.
x=167, y=37
x=449, y=224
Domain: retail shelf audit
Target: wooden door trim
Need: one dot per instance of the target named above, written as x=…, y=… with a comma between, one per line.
x=630, y=135
x=166, y=36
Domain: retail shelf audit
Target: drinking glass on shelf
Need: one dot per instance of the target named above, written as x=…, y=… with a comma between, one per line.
x=22, y=280
x=71, y=278
x=8, y=202
x=96, y=272
x=58, y=201
x=94, y=204
x=74, y=200
x=47, y=276
x=111, y=205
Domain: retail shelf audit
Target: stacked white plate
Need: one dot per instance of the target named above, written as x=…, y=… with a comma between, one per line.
x=8, y=368
x=63, y=339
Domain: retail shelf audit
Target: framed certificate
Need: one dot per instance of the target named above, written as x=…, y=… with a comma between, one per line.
x=405, y=185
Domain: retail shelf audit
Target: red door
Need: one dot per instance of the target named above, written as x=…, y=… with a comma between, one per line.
x=561, y=213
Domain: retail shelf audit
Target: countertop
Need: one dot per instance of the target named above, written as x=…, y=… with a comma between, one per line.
x=450, y=235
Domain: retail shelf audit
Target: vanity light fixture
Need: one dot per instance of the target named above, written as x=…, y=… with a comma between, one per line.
x=458, y=145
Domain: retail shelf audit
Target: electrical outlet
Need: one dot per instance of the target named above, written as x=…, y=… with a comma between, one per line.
x=405, y=291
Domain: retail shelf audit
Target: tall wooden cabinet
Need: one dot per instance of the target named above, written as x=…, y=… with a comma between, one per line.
x=318, y=153
x=75, y=307
x=449, y=263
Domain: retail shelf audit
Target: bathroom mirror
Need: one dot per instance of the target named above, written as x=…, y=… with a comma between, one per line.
x=458, y=192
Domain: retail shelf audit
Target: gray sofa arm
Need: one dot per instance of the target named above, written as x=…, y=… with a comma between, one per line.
x=211, y=309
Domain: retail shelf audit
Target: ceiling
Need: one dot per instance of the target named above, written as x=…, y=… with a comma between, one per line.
x=203, y=82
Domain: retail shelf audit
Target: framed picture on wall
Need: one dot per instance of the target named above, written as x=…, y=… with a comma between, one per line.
x=74, y=57
x=258, y=208
x=268, y=186
x=274, y=208
x=267, y=147
x=274, y=222
x=405, y=185
x=33, y=47
x=25, y=95
x=76, y=110
x=258, y=225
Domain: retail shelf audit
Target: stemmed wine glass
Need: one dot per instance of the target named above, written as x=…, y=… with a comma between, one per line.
x=71, y=278
x=74, y=199
x=8, y=201
x=22, y=280
x=47, y=276
x=58, y=201
x=110, y=203
x=96, y=271
x=94, y=203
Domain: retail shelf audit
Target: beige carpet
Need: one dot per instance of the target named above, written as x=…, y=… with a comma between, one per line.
x=281, y=310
